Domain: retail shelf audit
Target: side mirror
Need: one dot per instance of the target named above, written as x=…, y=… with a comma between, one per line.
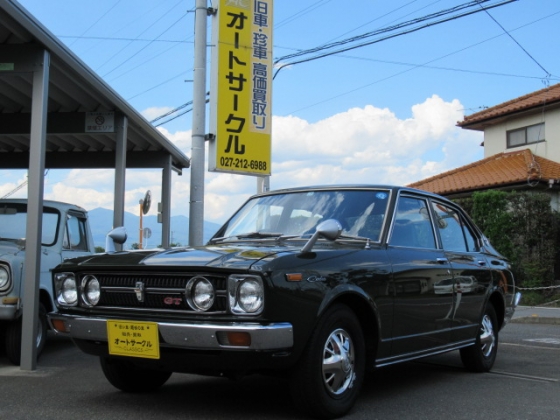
x=329, y=229
x=116, y=236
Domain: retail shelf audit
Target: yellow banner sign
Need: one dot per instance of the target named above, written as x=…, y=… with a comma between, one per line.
x=241, y=91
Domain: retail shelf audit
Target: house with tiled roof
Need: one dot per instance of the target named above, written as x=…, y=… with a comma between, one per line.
x=521, y=149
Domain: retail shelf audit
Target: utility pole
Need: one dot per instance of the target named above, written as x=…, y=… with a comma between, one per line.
x=196, y=205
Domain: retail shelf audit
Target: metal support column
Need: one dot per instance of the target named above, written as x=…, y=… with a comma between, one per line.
x=196, y=205
x=32, y=269
x=166, y=204
x=120, y=172
x=263, y=184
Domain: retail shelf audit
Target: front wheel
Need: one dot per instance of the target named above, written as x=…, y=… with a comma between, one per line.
x=124, y=376
x=480, y=357
x=13, y=336
x=329, y=375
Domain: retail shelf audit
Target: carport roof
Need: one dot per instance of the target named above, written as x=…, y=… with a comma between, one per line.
x=74, y=91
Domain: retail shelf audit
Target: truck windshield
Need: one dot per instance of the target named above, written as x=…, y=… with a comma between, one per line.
x=360, y=212
x=13, y=223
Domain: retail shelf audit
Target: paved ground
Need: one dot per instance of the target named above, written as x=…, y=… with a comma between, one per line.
x=525, y=383
x=535, y=315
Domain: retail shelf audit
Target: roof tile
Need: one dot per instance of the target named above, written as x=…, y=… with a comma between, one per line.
x=546, y=96
x=508, y=168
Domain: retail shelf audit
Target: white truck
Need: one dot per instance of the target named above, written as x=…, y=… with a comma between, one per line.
x=65, y=234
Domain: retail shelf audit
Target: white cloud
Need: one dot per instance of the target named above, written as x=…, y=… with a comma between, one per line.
x=371, y=145
x=154, y=112
x=361, y=145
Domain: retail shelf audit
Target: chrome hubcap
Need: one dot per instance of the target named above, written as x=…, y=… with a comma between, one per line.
x=338, y=362
x=487, y=337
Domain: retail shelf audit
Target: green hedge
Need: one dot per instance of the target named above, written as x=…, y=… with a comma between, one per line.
x=523, y=227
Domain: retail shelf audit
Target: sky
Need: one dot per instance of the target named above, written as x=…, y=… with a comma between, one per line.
x=384, y=113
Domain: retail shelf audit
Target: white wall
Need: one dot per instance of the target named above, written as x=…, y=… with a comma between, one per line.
x=495, y=139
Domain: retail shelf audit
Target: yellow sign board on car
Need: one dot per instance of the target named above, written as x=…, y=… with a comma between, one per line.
x=241, y=92
x=133, y=339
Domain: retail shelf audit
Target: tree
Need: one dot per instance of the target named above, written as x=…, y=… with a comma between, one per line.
x=524, y=228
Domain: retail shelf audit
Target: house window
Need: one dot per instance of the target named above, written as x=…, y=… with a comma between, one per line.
x=525, y=135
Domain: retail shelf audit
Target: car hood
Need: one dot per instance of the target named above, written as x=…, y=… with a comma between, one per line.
x=10, y=247
x=224, y=256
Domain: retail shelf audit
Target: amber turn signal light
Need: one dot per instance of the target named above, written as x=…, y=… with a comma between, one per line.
x=294, y=277
x=234, y=338
x=59, y=325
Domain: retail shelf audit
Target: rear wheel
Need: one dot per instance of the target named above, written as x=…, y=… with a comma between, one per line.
x=13, y=336
x=124, y=376
x=480, y=357
x=329, y=375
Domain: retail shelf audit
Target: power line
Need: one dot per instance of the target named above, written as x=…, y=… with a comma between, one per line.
x=123, y=27
x=387, y=14
x=98, y=20
x=159, y=84
x=384, y=30
x=147, y=45
x=178, y=115
x=145, y=62
x=105, y=38
x=301, y=13
x=380, y=31
x=518, y=44
x=171, y=112
x=424, y=65
x=175, y=110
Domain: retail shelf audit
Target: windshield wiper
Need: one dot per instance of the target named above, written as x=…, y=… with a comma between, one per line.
x=356, y=238
x=248, y=235
x=258, y=235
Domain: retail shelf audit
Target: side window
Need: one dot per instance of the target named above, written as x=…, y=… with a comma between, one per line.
x=412, y=226
x=455, y=234
x=75, y=235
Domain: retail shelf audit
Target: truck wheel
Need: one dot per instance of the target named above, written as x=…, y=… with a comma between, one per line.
x=328, y=377
x=481, y=355
x=13, y=336
x=127, y=378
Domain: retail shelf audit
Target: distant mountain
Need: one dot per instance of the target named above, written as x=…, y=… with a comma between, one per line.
x=101, y=222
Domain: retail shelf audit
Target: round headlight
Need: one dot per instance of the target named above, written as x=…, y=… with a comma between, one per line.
x=4, y=279
x=91, y=290
x=200, y=293
x=250, y=295
x=69, y=291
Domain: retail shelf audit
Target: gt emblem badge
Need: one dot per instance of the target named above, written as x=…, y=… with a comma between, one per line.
x=172, y=300
x=139, y=290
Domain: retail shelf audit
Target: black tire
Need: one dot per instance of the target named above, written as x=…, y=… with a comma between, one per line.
x=480, y=357
x=13, y=337
x=327, y=379
x=124, y=376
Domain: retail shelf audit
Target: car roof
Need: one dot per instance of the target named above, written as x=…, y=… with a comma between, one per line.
x=47, y=203
x=395, y=188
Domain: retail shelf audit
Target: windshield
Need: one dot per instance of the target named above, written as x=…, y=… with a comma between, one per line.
x=360, y=212
x=13, y=222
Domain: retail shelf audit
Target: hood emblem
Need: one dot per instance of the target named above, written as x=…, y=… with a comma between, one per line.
x=139, y=290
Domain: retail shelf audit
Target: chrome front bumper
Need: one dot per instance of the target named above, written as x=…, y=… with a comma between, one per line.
x=195, y=336
x=8, y=312
x=510, y=310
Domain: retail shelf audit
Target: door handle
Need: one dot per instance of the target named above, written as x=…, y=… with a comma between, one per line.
x=442, y=260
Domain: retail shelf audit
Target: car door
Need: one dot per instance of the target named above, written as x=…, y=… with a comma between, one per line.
x=421, y=311
x=75, y=239
x=470, y=270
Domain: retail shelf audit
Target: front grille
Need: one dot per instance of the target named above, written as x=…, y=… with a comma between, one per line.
x=163, y=292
